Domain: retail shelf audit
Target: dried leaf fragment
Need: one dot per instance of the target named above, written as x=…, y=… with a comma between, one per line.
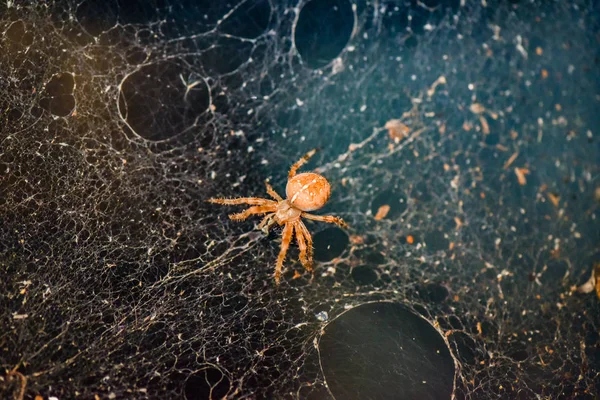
x=476, y=108
x=397, y=130
x=439, y=81
x=553, y=198
x=593, y=283
x=382, y=212
x=484, y=125
x=511, y=160
x=521, y=172
x=458, y=222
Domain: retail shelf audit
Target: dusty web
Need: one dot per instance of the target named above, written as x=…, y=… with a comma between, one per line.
x=461, y=142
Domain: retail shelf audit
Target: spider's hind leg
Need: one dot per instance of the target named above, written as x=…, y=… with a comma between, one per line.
x=288, y=231
x=307, y=262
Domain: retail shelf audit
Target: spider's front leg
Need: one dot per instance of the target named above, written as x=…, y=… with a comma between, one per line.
x=243, y=200
x=250, y=211
x=272, y=192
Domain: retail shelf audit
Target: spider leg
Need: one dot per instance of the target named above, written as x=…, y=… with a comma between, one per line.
x=243, y=200
x=252, y=210
x=330, y=219
x=309, y=243
x=272, y=192
x=288, y=231
x=266, y=223
x=301, y=162
x=306, y=263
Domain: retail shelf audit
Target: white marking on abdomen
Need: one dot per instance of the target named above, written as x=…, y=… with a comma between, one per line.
x=302, y=189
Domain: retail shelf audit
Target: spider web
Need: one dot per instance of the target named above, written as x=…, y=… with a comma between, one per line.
x=469, y=232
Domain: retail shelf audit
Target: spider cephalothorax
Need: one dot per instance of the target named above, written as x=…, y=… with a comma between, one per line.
x=305, y=192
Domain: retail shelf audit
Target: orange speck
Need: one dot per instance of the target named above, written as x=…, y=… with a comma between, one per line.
x=296, y=275
x=446, y=167
x=479, y=330
x=356, y=239
x=410, y=239
x=458, y=222
x=476, y=108
x=510, y=160
x=451, y=246
x=482, y=195
x=553, y=198
x=539, y=51
x=544, y=74
x=521, y=172
x=557, y=107
x=382, y=212
x=484, y=125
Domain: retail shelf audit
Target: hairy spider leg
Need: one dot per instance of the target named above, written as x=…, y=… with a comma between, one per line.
x=330, y=219
x=301, y=162
x=272, y=192
x=252, y=210
x=302, y=246
x=309, y=243
x=266, y=223
x=288, y=231
x=243, y=200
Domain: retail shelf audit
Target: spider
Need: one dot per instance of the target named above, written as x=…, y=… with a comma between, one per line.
x=305, y=192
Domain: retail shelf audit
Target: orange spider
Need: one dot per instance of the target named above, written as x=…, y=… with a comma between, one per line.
x=307, y=191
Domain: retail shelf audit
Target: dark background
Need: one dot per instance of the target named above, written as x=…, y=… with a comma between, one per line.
x=118, y=119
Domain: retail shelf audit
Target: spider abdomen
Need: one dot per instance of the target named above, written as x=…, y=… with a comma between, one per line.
x=308, y=191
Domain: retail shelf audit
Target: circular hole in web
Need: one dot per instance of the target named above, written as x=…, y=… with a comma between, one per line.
x=323, y=30
x=208, y=383
x=97, y=16
x=57, y=97
x=162, y=100
x=384, y=350
x=434, y=292
x=364, y=275
x=329, y=244
x=436, y=241
x=19, y=34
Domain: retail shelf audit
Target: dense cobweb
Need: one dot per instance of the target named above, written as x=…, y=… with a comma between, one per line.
x=477, y=213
